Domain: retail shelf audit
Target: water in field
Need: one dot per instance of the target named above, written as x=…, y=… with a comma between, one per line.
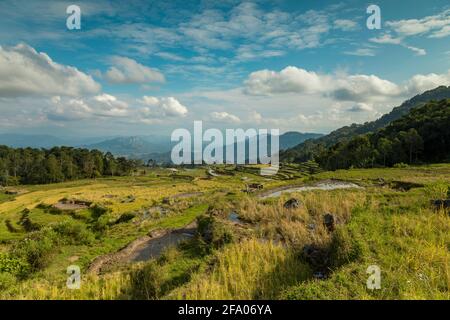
x=327, y=185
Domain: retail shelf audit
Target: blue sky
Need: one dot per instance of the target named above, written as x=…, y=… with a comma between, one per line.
x=146, y=67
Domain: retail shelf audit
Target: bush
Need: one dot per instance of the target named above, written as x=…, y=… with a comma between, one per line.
x=36, y=249
x=213, y=232
x=400, y=165
x=345, y=247
x=12, y=265
x=125, y=218
x=98, y=211
x=72, y=232
x=101, y=224
x=147, y=282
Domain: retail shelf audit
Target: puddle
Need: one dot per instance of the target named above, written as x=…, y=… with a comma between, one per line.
x=154, y=247
x=325, y=185
x=234, y=217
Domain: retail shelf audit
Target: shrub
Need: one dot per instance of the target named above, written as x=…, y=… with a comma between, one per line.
x=11, y=265
x=400, y=165
x=36, y=249
x=345, y=247
x=98, y=211
x=214, y=233
x=72, y=232
x=101, y=224
x=125, y=217
x=147, y=282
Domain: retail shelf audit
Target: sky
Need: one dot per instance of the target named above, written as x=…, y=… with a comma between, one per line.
x=149, y=67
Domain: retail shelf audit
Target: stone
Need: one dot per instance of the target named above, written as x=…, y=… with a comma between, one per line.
x=329, y=222
x=292, y=204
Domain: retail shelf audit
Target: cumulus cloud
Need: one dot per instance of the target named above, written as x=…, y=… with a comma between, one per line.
x=25, y=72
x=422, y=82
x=70, y=109
x=162, y=107
x=290, y=79
x=225, y=117
x=297, y=80
x=343, y=87
x=126, y=70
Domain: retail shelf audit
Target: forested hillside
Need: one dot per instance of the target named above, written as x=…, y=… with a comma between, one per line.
x=311, y=148
x=422, y=135
x=37, y=166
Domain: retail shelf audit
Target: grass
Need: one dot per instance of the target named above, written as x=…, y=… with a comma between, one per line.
x=381, y=225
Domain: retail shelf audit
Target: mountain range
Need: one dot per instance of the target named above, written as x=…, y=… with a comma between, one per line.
x=156, y=147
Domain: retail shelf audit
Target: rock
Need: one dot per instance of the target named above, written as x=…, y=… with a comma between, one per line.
x=315, y=256
x=311, y=226
x=319, y=275
x=292, y=204
x=329, y=222
x=257, y=186
x=441, y=204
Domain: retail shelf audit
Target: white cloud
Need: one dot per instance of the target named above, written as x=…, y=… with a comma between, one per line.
x=225, y=117
x=162, y=107
x=341, y=87
x=434, y=26
x=444, y=32
x=386, y=39
x=423, y=82
x=24, y=71
x=68, y=110
x=126, y=70
x=345, y=24
x=297, y=80
x=290, y=79
x=363, y=52
x=104, y=105
x=417, y=51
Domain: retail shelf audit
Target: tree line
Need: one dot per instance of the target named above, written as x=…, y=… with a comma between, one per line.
x=423, y=135
x=40, y=166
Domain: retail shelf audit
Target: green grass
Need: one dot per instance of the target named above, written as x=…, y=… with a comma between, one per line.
x=380, y=225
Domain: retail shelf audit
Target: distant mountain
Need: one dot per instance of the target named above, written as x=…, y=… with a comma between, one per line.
x=133, y=147
x=293, y=138
x=34, y=141
x=307, y=149
x=286, y=140
x=15, y=140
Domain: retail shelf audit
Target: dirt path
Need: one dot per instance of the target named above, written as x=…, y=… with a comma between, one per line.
x=144, y=248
